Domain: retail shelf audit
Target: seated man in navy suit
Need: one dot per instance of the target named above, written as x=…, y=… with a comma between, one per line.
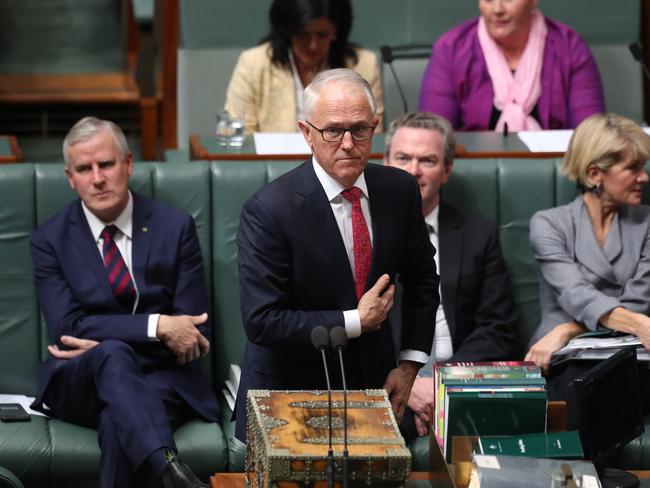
x=477, y=318
x=321, y=246
x=121, y=285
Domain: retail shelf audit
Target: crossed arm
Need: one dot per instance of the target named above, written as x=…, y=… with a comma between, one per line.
x=76, y=326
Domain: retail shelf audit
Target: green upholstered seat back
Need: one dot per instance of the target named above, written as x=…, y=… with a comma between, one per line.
x=232, y=185
x=19, y=340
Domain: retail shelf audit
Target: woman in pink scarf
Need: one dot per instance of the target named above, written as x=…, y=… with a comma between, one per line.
x=512, y=66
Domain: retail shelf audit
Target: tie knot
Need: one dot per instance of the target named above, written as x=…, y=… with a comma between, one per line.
x=352, y=195
x=109, y=232
x=431, y=229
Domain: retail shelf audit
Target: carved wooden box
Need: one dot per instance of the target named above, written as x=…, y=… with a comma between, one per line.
x=287, y=434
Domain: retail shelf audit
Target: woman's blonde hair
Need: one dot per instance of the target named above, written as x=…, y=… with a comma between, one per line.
x=603, y=140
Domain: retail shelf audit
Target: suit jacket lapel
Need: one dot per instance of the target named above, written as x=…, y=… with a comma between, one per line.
x=587, y=250
x=450, y=241
x=82, y=238
x=321, y=225
x=381, y=214
x=143, y=231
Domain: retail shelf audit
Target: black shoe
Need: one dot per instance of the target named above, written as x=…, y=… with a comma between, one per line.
x=177, y=474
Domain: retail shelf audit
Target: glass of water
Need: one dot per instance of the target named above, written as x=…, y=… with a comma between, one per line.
x=230, y=130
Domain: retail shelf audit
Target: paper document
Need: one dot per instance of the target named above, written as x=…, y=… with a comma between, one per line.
x=274, y=143
x=600, y=343
x=24, y=401
x=230, y=400
x=590, y=346
x=546, y=140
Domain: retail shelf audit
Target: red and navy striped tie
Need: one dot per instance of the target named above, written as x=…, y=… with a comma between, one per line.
x=118, y=274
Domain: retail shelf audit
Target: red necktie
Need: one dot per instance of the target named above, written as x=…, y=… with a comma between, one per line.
x=361, y=238
x=118, y=274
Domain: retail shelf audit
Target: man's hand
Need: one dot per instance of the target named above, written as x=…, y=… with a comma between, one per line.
x=76, y=347
x=398, y=385
x=540, y=352
x=180, y=334
x=375, y=304
x=421, y=401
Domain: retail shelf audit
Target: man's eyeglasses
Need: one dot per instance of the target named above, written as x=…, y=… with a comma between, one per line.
x=335, y=134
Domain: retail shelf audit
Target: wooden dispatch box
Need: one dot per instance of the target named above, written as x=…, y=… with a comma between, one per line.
x=288, y=440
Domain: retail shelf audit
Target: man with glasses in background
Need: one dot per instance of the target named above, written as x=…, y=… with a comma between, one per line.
x=322, y=245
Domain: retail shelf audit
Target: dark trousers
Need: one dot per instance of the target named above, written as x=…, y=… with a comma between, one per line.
x=105, y=388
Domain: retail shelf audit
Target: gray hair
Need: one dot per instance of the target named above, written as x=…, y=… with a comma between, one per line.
x=87, y=127
x=351, y=77
x=425, y=120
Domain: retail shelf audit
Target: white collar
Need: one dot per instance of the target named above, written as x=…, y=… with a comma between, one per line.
x=432, y=218
x=124, y=221
x=332, y=187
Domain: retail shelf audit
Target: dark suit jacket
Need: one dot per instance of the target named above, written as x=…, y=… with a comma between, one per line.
x=475, y=287
x=295, y=274
x=76, y=298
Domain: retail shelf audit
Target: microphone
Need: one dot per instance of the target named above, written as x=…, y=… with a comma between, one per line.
x=387, y=57
x=637, y=54
x=339, y=339
x=320, y=338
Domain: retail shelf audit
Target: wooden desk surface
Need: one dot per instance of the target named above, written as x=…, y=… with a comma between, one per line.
x=9, y=150
x=206, y=148
x=236, y=480
x=470, y=145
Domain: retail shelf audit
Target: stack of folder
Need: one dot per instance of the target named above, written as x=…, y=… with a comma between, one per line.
x=493, y=398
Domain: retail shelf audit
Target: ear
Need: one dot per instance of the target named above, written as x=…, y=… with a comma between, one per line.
x=594, y=174
x=128, y=160
x=306, y=133
x=69, y=176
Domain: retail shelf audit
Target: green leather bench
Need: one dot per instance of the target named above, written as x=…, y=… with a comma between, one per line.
x=50, y=453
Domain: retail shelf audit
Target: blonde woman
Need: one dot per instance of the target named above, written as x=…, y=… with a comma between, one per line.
x=594, y=253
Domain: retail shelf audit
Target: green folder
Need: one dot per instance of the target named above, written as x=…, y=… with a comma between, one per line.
x=564, y=445
x=493, y=413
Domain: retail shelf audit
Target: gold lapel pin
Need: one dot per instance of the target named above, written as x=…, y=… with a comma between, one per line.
x=145, y=229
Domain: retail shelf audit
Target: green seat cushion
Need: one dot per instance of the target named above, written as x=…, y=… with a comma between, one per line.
x=25, y=450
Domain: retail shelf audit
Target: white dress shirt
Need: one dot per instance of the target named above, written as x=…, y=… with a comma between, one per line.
x=342, y=210
x=442, y=348
x=123, y=240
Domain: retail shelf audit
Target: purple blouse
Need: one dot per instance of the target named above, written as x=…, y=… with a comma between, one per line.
x=457, y=85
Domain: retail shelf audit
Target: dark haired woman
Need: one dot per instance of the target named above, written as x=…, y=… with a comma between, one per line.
x=307, y=36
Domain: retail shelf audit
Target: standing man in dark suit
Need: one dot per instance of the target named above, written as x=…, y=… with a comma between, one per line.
x=322, y=244
x=477, y=318
x=121, y=285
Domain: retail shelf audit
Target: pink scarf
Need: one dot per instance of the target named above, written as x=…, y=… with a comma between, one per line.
x=516, y=95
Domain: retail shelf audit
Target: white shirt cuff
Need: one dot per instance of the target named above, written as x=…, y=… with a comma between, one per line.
x=152, y=326
x=352, y=321
x=413, y=355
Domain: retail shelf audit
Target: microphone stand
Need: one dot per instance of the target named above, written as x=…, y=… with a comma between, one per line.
x=637, y=52
x=321, y=339
x=345, y=421
x=338, y=340
x=330, y=452
x=387, y=57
